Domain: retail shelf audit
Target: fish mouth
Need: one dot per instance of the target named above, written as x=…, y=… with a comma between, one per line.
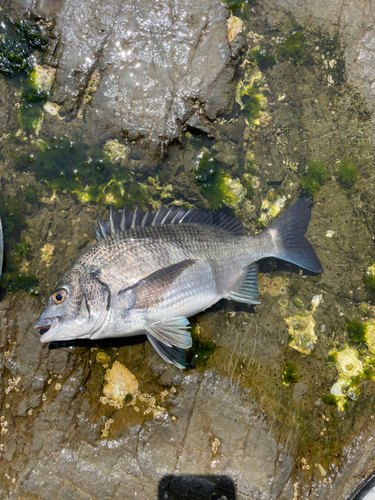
x=44, y=325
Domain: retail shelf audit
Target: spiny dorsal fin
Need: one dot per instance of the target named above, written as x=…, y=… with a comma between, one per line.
x=129, y=219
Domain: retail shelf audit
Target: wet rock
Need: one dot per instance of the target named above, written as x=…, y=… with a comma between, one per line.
x=155, y=69
x=353, y=24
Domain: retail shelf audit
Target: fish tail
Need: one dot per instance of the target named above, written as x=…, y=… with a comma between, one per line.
x=287, y=234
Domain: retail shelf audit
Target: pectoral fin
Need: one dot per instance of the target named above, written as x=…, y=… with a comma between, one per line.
x=150, y=291
x=172, y=332
x=248, y=289
x=174, y=355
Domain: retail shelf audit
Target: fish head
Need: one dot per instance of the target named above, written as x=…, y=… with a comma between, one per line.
x=76, y=308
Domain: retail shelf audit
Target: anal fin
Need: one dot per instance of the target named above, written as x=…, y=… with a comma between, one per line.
x=173, y=355
x=248, y=289
x=172, y=332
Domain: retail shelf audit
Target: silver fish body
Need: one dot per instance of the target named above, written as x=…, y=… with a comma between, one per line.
x=150, y=272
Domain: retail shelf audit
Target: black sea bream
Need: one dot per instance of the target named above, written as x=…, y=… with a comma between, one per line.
x=149, y=272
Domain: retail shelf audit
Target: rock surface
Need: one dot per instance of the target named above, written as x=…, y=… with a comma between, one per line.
x=141, y=71
x=352, y=21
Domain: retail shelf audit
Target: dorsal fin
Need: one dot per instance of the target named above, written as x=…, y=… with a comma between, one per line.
x=129, y=219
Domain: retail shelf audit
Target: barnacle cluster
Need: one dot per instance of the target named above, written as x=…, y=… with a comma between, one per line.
x=273, y=286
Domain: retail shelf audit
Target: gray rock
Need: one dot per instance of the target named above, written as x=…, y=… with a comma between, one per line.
x=159, y=66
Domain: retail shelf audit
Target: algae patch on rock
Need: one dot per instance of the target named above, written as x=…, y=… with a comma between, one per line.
x=120, y=383
x=301, y=328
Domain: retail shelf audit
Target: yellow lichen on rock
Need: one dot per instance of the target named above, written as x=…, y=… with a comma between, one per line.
x=116, y=151
x=349, y=367
x=120, y=383
x=92, y=87
x=102, y=358
x=52, y=108
x=370, y=335
x=348, y=363
x=271, y=209
x=301, y=328
x=47, y=252
x=234, y=25
x=235, y=192
x=43, y=76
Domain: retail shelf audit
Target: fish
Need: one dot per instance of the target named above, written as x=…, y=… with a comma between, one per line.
x=149, y=272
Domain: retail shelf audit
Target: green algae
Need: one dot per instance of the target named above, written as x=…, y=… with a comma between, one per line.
x=213, y=181
x=316, y=175
x=30, y=195
x=251, y=101
x=18, y=41
x=87, y=172
x=347, y=173
x=356, y=330
x=201, y=350
x=263, y=58
x=290, y=374
x=369, y=278
x=330, y=399
x=14, y=281
x=11, y=210
x=291, y=47
x=21, y=250
x=369, y=281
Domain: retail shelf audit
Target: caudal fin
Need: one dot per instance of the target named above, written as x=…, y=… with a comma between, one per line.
x=291, y=243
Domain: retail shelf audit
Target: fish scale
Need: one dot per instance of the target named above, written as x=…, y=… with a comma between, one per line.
x=149, y=272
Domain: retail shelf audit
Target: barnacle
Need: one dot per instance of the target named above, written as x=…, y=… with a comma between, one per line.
x=274, y=287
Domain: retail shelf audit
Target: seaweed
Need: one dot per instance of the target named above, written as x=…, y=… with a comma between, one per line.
x=62, y=164
x=18, y=40
x=290, y=374
x=11, y=211
x=30, y=195
x=347, y=173
x=21, y=250
x=330, y=399
x=14, y=281
x=291, y=49
x=200, y=352
x=252, y=104
x=356, y=330
x=315, y=177
x=263, y=58
x=369, y=281
x=11, y=216
x=213, y=181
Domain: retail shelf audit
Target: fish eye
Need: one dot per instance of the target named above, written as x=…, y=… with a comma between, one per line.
x=60, y=296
